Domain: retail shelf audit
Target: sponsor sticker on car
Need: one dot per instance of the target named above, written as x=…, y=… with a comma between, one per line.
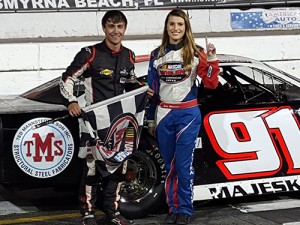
x=44, y=152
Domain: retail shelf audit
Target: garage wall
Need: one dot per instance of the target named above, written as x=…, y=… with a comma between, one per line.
x=37, y=47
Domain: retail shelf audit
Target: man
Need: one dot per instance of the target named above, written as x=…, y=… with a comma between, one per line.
x=104, y=68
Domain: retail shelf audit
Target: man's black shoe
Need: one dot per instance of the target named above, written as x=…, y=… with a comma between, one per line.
x=171, y=218
x=115, y=218
x=89, y=220
x=184, y=218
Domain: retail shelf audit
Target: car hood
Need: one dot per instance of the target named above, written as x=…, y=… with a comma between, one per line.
x=16, y=104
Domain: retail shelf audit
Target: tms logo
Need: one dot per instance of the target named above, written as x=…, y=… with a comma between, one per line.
x=44, y=152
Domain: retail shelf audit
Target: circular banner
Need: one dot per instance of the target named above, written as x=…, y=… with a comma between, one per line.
x=44, y=152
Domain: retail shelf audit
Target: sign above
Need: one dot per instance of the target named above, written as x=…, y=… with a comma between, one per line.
x=97, y=5
x=277, y=18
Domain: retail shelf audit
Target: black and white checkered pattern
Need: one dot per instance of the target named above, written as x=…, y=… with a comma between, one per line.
x=113, y=127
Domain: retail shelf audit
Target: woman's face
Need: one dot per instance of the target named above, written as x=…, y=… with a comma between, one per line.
x=175, y=29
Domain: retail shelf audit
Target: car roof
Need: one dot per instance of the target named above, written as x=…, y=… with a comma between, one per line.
x=223, y=58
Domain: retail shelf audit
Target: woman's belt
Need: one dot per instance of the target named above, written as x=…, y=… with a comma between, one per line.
x=180, y=105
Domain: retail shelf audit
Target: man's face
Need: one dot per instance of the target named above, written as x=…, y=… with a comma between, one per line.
x=114, y=32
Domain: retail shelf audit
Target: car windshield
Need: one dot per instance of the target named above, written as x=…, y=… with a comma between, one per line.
x=244, y=83
x=288, y=77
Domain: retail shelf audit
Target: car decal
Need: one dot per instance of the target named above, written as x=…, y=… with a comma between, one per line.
x=43, y=152
x=247, y=188
x=252, y=143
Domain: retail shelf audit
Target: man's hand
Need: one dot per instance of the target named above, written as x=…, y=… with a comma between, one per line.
x=150, y=92
x=74, y=109
x=210, y=49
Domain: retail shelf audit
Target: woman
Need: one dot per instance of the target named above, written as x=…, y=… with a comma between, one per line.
x=173, y=108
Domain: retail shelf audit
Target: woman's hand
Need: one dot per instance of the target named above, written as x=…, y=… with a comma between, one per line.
x=210, y=49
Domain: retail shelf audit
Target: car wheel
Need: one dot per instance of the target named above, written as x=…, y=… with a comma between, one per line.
x=143, y=190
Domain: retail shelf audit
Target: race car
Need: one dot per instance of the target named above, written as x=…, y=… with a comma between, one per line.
x=247, y=145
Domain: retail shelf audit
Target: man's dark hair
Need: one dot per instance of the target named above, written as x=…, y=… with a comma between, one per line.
x=114, y=16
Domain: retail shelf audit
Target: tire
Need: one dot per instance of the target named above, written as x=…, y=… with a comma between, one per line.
x=145, y=193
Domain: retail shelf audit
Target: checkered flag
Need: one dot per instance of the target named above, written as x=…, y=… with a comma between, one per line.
x=112, y=128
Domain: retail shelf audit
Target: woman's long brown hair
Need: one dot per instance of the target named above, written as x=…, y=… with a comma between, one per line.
x=189, y=47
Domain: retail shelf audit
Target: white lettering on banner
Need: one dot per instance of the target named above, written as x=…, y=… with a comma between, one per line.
x=10, y=4
x=249, y=147
x=34, y=4
x=127, y=2
x=92, y=3
x=24, y=3
x=156, y=2
x=80, y=3
x=44, y=152
x=152, y=2
x=63, y=4
x=37, y=4
x=50, y=3
x=103, y=3
x=114, y=4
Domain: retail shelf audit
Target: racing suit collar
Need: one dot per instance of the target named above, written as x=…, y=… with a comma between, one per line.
x=176, y=46
x=106, y=48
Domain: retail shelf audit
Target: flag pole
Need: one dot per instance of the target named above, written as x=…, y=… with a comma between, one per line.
x=49, y=122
